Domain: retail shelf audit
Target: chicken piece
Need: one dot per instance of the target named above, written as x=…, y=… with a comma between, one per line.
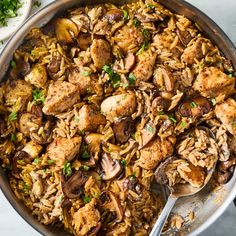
x=61, y=96
x=37, y=76
x=33, y=149
x=156, y=151
x=37, y=189
x=226, y=113
x=29, y=122
x=118, y=106
x=62, y=150
x=195, y=175
x=90, y=118
x=18, y=89
x=86, y=218
x=100, y=53
x=84, y=82
x=84, y=41
x=212, y=82
x=129, y=39
x=144, y=68
x=193, y=52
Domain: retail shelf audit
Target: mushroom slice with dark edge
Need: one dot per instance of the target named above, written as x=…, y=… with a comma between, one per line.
x=110, y=166
x=94, y=230
x=160, y=173
x=195, y=107
x=114, y=15
x=66, y=30
x=73, y=186
x=112, y=203
x=147, y=133
x=123, y=129
x=21, y=69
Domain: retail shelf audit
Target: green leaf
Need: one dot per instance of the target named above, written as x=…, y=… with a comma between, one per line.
x=13, y=137
x=38, y=96
x=67, y=171
x=12, y=116
x=113, y=76
x=85, y=154
x=171, y=117
x=149, y=129
x=193, y=104
x=183, y=124
x=150, y=6
x=84, y=167
x=230, y=75
x=160, y=113
x=132, y=79
x=13, y=64
x=144, y=46
x=213, y=101
x=36, y=161
x=136, y=23
x=85, y=73
x=126, y=15
x=87, y=199
x=123, y=162
x=50, y=162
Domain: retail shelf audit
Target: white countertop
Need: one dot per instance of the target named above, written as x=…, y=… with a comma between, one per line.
x=224, y=14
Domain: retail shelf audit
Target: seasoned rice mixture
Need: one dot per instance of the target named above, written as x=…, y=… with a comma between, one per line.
x=105, y=100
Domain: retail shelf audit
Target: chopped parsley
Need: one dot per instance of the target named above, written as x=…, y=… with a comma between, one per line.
x=123, y=162
x=38, y=96
x=21, y=162
x=13, y=137
x=133, y=176
x=172, y=118
x=87, y=199
x=8, y=9
x=36, y=161
x=183, y=124
x=132, y=79
x=113, y=76
x=85, y=154
x=230, y=75
x=126, y=15
x=193, y=104
x=26, y=187
x=213, y=101
x=160, y=113
x=13, y=64
x=50, y=162
x=144, y=46
x=12, y=116
x=84, y=167
x=146, y=33
x=149, y=128
x=136, y=23
x=150, y=6
x=67, y=171
x=85, y=73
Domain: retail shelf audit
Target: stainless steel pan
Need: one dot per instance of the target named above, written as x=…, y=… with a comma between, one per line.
x=208, y=206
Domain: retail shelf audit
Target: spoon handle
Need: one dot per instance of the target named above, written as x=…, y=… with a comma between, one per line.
x=156, y=231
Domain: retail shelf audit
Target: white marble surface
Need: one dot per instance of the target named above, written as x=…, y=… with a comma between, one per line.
x=223, y=13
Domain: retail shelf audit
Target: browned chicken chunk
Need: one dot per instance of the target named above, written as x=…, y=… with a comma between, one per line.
x=33, y=149
x=61, y=96
x=90, y=118
x=226, y=113
x=212, y=82
x=18, y=89
x=144, y=68
x=193, y=52
x=195, y=175
x=86, y=218
x=118, y=106
x=155, y=152
x=37, y=76
x=63, y=149
x=100, y=53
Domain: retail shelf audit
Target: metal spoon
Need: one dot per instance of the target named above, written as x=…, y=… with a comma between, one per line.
x=180, y=190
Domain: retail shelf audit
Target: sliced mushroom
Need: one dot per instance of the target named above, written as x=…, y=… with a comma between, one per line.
x=93, y=141
x=123, y=129
x=225, y=165
x=94, y=230
x=54, y=66
x=148, y=133
x=129, y=61
x=21, y=69
x=84, y=41
x=160, y=173
x=222, y=177
x=184, y=36
x=29, y=122
x=111, y=203
x=73, y=186
x=114, y=15
x=19, y=156
x=110, y=166
x=131, y=183
x=66, y=30
x=164, y=79
x=195, y=107
x=160, y=104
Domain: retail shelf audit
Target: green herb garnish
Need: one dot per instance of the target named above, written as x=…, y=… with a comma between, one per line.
x=8, y=9
x=149, y=129
x=126, y=15
x=67, y=171
x=193, y=104
x=183, y=124
x=36, y=161
x=87, y=199
x=13, y=64
x=136, y=23
x=85, y=73
x=85, y=154
x=150, y=6
x=38, y=96
x=113, y=76
x=50, y=162
x=230, y=75
x=13, y=137
x=132, y=79
x=12, y=116
x=123, y=162
x=84, y=167
x=161, y=113
x=172, y=118
x=213, y=101
x=144, y=46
